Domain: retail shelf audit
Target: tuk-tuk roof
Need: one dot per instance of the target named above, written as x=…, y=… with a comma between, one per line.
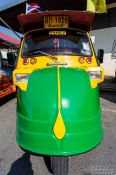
x=82, y=20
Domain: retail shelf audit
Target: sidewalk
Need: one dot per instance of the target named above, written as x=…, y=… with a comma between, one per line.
x=109, y=84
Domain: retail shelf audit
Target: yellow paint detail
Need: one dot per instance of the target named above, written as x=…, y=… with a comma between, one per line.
x=93, y=84
x=59, y=127
x=59, y=100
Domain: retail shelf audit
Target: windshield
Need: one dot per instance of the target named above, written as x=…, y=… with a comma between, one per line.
x=68, y=42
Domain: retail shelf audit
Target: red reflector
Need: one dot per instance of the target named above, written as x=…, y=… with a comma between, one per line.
x=89, y=60
x=25, y=61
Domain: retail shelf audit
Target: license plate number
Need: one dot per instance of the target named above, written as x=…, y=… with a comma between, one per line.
x=55, y=22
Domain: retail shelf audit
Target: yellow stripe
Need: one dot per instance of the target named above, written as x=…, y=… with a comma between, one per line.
x=59, y=126
x=59, y=100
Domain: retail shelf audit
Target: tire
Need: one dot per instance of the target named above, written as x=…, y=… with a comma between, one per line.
x=59, y=165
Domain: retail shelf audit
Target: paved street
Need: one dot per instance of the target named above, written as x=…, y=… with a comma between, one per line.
x=100, y=161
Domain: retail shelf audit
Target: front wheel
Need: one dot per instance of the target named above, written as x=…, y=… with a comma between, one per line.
x=59, y=165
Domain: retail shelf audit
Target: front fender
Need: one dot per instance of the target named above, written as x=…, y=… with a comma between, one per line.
x=52, y=90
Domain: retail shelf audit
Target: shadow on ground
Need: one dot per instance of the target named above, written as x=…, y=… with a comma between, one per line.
x=6, y=99
x=108, y=95
x=22, y=166
x=47, y=161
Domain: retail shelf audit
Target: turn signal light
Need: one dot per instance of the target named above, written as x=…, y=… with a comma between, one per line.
x=33, y=60
x=25, y=61
x=81, y=60
x=89, y=60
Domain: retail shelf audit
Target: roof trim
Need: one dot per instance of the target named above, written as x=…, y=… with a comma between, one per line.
x=75, y=17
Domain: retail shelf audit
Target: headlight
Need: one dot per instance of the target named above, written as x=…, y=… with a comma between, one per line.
x=95, y=75
x=22, y=77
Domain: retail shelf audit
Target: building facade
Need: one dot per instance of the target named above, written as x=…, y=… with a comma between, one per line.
x=104, y=30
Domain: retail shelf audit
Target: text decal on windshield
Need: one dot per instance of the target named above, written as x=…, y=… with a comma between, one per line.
x=57, y=32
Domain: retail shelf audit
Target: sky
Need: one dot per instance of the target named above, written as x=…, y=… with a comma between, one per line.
x=6, y=4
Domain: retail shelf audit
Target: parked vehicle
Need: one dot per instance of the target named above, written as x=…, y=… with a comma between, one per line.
x=57, y=75
x=7, y=60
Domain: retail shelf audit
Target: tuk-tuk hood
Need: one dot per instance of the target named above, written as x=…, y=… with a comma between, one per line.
x=60, y=109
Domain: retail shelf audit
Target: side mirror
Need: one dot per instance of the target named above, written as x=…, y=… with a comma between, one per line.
x=11, y=58
x=100, y=55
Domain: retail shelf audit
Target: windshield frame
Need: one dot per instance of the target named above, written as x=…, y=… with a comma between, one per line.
x=58, y=54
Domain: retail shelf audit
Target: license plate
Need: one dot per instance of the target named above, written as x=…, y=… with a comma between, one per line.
x=56, y=22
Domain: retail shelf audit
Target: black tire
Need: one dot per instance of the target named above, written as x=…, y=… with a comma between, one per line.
x=59, y=165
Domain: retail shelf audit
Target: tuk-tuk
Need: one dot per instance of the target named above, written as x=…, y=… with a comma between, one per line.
x=57, y=75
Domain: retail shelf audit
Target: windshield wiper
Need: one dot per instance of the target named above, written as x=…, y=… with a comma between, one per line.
x=44, y=53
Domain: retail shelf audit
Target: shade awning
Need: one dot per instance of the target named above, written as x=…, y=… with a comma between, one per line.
x=8, y=39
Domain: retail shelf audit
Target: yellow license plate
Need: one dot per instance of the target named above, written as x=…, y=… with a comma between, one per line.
x=56, y=22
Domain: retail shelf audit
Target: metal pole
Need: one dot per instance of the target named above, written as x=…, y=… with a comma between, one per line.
x=9, y=28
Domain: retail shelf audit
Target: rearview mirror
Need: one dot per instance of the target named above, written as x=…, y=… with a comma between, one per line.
x=100, y=55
